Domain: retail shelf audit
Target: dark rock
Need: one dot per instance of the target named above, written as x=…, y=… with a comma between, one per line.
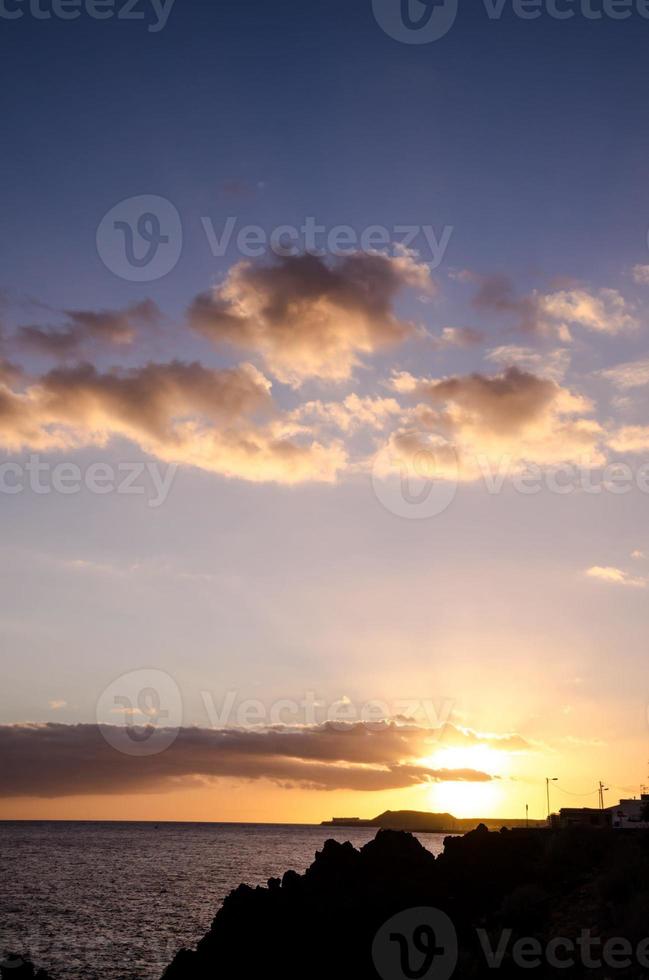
x=538, y=884
x=14, y=967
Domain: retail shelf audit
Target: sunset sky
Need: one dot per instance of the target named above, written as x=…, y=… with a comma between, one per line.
x=392, y=548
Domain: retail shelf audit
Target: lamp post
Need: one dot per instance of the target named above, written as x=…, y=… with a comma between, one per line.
x=548, y=780
x=602, y=789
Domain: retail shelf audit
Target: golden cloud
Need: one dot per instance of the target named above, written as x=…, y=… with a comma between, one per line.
x=514, y=416
x=311, y=318
x=220, y=420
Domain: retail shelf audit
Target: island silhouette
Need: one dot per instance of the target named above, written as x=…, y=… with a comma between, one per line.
x=424, y=822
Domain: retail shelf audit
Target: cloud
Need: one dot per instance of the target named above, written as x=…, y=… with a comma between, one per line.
x=57, y=705
x=604, y=311
x=638, y=555
x=633, y=374
x=223, y=421
x=310, y=318
x=515, y=415
x=553, y=314
x=113, y=327
x=54, y=760
x=547, y=364
x=581, y=742
x=640, y=274
x=615, y=576
x=453, y=735
x=630, y=439
x=462, y=337
x=351, y=414
x=10, y=373
x=497, y=294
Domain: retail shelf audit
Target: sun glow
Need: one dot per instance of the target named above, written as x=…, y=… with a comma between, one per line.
x=468, y=798
x=481, y=758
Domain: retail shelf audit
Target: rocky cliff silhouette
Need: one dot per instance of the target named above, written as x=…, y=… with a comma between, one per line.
x=535, y=884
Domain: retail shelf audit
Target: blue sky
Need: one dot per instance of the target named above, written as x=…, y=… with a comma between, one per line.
x=526, y=136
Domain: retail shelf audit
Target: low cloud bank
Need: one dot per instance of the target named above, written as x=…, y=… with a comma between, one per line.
x=56, y=760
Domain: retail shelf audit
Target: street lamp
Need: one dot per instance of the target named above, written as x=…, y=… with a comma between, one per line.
x=548, y=780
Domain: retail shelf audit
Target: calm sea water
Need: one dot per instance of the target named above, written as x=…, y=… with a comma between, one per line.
x=115, y=901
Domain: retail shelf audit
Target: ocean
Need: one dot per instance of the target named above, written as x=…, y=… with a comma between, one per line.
x=115, y=901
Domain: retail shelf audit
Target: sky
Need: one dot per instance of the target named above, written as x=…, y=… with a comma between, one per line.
x=324, y=450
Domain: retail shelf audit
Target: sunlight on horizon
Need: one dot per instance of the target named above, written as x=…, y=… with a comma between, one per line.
x=469, y=798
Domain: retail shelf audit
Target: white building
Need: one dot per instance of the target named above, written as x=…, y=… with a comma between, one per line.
x=628, y=814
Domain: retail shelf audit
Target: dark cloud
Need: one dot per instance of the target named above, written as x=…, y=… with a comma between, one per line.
x=307, y=316
x=153, y=397
x=497, y=294
x=112, y=327
x=503, y=403
x=54, y=760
